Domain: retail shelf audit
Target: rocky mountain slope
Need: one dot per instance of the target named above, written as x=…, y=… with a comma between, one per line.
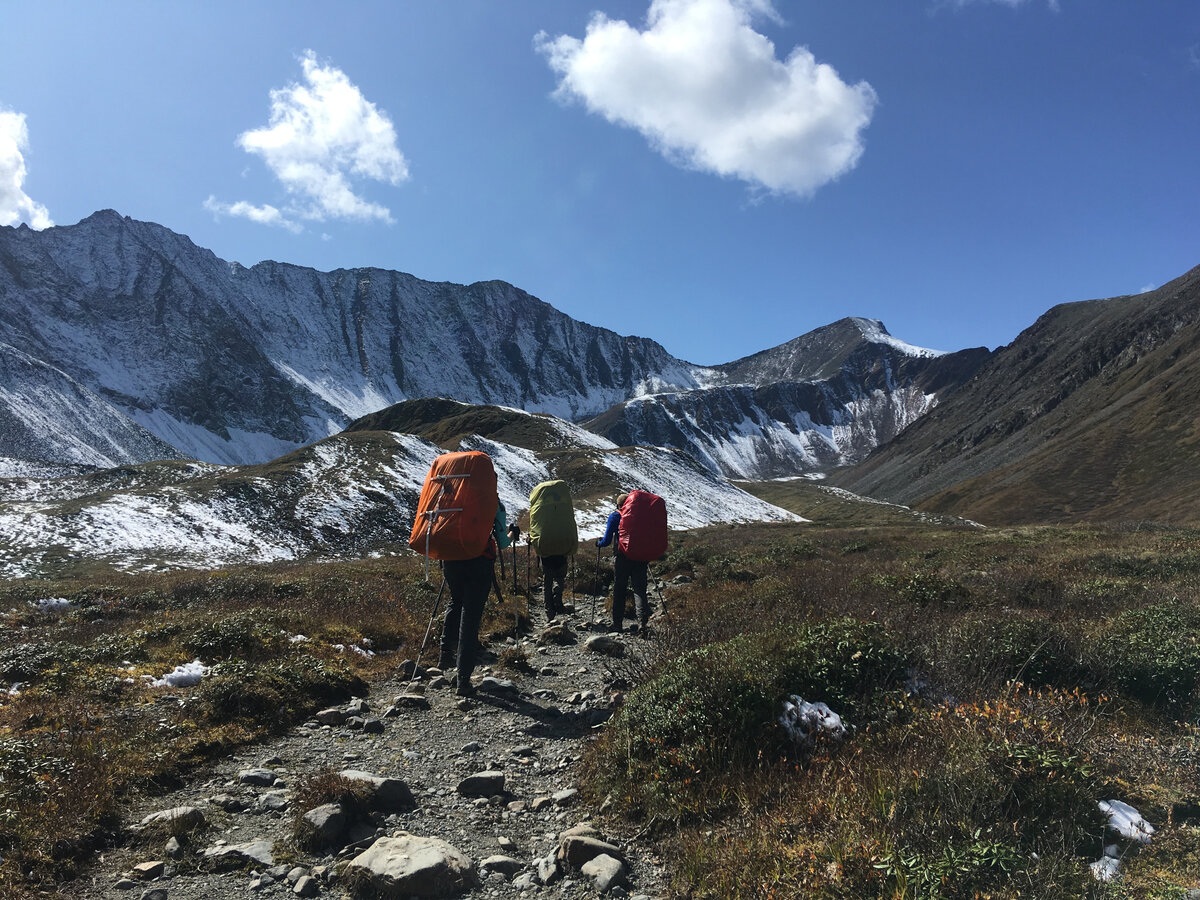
x=349, y=495
x=1089, y=415
x=176, y=353
x=233, y=365
x=823, y=400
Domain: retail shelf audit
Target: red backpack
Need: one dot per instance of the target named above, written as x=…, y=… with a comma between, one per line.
x=642, y=534
x=457, y=507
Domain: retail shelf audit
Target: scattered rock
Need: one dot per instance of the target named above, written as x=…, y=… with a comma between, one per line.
x=256, y=777
x=274, y=801
x=605, y=871
x=373, y=726
x=178, y=818
x=233, y=855
x=606, y=644
x=228, y=802
x=505, y=865
x=331, y=716
x=557, y=634
x=576, y=849
x=482, y=784
x=564, y=797
x=174, y=848
x=410, y=865
x=149, y=870
x=325, y=826
x=549, y=870
x=411, y=701
x=386, y=794
x=306, y=886
x=154, y=894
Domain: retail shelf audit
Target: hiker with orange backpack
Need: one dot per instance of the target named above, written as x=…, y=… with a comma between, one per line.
x=639, y=525
x=457, y=516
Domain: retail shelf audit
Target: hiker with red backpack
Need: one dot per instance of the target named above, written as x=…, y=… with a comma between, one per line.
x=457, y=516
x=639, y=525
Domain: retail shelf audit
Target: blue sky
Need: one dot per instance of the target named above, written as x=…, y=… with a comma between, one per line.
x=720, y=175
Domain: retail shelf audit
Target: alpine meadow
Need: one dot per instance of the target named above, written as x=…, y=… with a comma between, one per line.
x=319, y=578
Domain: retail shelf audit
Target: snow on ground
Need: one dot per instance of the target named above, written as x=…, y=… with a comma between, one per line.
x=337, y=500
x=187, y=675
x=23, y=468
x=695, y=497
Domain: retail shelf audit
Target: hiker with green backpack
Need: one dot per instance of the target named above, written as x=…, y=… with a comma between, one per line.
x=554, y=537
x=639, y=526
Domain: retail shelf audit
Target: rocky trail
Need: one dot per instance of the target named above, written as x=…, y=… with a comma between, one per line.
x=471, y=797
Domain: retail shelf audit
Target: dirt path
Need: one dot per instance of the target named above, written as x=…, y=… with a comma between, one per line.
x=533, y=734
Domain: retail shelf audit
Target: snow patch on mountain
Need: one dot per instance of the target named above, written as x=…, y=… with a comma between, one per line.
x=874, y=332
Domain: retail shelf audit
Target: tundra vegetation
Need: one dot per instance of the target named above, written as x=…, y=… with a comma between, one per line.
x=997, y=684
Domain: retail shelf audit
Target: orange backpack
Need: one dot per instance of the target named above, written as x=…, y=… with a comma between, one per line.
x=457, y=507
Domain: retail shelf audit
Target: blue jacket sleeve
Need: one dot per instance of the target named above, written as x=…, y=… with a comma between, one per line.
x=610, y=531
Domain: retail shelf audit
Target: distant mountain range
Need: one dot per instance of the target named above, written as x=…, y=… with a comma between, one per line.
x=122, y=342
x=1091, y=414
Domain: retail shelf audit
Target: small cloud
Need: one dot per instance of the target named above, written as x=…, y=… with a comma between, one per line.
x=15, y=205
x=708, y=92
x=263, y=215
x=1193, y=54
x=322, y=135
x=326, y=237
x=1053, y=5
x=1147, y=288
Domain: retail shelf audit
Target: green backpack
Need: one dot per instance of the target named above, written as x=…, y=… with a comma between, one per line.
x=552, y=530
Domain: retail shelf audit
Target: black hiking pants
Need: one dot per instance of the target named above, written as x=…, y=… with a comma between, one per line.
x=554, y=579
x=629, y=573
x=469, y=581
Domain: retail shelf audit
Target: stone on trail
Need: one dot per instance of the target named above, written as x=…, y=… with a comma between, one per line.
x=494, y=685
x=505, y=865
x=256, y=777
x=306, y=886
x=482, y=784
x=325, y=825
x=606, y=644
x=233, y=855
x=148, y=870
x=407, y=865
x=177, y=818
x=549, y=870
x=557, y=634
x=274, y=801
x=605, y=871
x=411, y=700
x=385, y=794
x=564, y=797
x=576, y=849
x=331, y=716
x=153, y=894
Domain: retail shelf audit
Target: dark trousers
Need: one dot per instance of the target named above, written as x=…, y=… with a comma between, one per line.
x=554, y=579
x=469, y=581
x=629, y=573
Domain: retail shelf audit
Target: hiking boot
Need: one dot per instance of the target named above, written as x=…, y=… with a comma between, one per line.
x=465, y=688
x=447, y=661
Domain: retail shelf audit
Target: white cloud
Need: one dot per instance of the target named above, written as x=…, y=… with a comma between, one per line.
x=1147, y=288
x=15, y=205
x=322, y=134
x=960, y=4
x=708, y=92
x=263, y=215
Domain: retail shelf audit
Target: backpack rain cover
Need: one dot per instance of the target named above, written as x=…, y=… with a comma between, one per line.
x=552, y=530
x=457, y=507
x=642, y=534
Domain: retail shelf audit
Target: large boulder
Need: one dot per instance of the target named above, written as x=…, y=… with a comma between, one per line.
x=176, y=819
x=410, y=866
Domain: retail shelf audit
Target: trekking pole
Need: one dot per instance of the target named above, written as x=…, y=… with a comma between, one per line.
x=514, y=567
x=428, y=628
x=596, y=592
x=528, y=581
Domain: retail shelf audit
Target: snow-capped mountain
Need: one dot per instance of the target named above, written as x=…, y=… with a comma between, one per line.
x=823, y=400
x=233, y=364
x=136, y=345
x=349, y=495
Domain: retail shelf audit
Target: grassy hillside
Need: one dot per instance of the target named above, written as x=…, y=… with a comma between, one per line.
x=1089, y=415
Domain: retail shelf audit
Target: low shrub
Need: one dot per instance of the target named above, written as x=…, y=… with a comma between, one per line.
x=995, y=650
x=1153, y=654
x=250, y=635
x=275, y=693
x=714, y=709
